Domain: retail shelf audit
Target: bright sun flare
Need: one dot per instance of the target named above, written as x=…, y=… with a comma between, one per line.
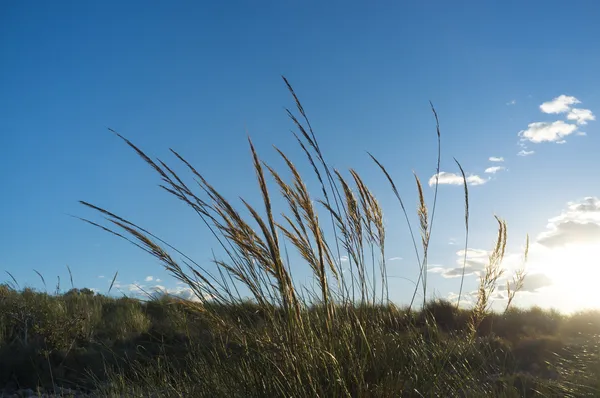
x=575, y=273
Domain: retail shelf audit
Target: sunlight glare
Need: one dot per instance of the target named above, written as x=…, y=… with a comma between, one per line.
x=575, y=272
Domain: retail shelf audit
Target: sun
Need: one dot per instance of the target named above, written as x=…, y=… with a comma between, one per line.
x=575, y=273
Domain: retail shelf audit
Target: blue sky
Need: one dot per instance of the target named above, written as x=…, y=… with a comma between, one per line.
x=508, y=79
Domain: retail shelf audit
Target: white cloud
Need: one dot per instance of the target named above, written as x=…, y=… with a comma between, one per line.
x=476, y=262
x=568, y=252
x=511, y=102
x=476, y=253
x=182, y=292
x=569, y=238
x=438, y=269
x=586, y=205
x=532, y=283
x=100, y=276
x=494, y=169
x=560, y=104
x=547, y=132
x=135, y=288
x=344, y=259
x=149, y=278
x=498, y=296
x=185, y=293
x=394, y=258
x=558, y=130
x=158, y=280
x=466, y=299
x=455, y=179
x=581, y=116
x=579, y=224
x=496, y=159
x=563, y=261
x=524, y=152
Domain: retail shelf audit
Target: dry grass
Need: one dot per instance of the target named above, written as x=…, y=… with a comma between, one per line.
x=332, y=340
x=488, y=281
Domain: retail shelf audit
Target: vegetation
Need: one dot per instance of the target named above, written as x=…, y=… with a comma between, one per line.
x=254, y=331
x=165, y=346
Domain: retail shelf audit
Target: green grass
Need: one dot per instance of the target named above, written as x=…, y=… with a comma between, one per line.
x=339, y=337
x=122, y=346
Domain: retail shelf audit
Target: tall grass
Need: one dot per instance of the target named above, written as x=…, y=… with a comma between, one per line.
x=166, y=347
x=253, y=248
x=342, y=338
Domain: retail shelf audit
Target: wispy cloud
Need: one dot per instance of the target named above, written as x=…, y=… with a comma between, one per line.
x=560, y=104
x=547, y=131
x=524, y=152
x=496, y=159
x=343, y=259
x=149, y=278
x=511, y=102
x=494, y=169
x=135, y=288
x=531, y=284
x=455, y=179
x=394, y=258
x=100, y=276
x=477, y=259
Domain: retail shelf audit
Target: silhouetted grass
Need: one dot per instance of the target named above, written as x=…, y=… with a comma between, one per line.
x=344, y=337
x=165, y=346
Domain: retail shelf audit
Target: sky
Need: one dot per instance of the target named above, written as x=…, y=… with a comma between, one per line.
x=515, y=85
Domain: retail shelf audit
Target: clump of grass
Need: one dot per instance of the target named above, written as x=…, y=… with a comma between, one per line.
x=377, y=350
x=488, y=280
x=342, y=346
x=342, y=338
